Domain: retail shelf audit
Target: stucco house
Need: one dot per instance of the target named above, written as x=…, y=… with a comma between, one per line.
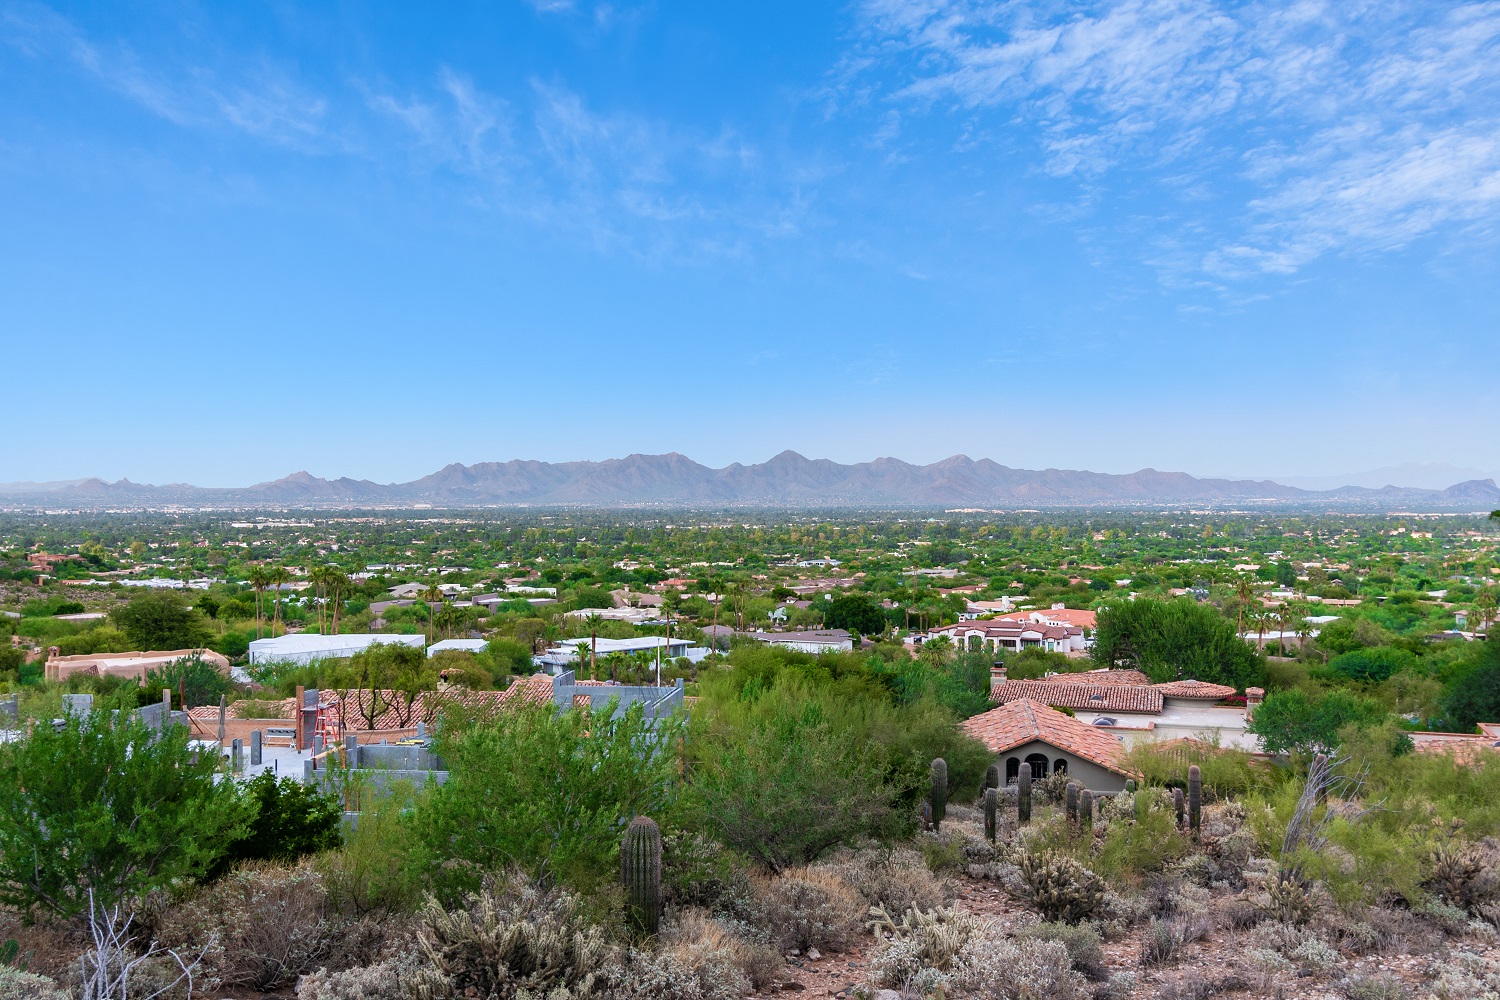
x=1028, y=732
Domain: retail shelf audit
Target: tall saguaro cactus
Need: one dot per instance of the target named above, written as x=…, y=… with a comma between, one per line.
x=1195, y=799
x=1086, y=810
x=1023, y=794
x=992, y=776
x=938, y=794
x=991, y=809
x=640, y=871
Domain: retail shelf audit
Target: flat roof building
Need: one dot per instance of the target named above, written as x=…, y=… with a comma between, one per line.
x=304, y=647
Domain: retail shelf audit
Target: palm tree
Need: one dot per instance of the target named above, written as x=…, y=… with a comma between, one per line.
x=319, y=577
x=1260, y=619
x=1245, y=593
x=259, y=578
x=594, y=621
x=337, y=581
x=935, y=650
x=278, y=576
x=432, y=595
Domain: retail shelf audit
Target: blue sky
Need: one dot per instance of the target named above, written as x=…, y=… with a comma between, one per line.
x=368, y=240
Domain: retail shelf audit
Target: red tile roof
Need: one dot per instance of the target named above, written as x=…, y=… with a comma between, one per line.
x=1195, y=689
x=1122, y=678
x=1019, y=722
x=1081, y=695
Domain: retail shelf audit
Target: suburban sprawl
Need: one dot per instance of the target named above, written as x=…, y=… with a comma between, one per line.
x=624, y=754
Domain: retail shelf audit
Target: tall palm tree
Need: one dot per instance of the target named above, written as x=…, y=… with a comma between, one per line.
x=594, y=621
x=318, y=575
x=337, y=582
x=1244, y=592
x=278, y=576
x=432, y=595
x=259, y=578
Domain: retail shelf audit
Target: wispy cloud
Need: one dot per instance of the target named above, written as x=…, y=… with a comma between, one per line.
x=1317, y=127
x=261, y=101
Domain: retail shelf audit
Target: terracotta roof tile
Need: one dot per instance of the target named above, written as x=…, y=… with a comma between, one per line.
x=1120, y=678
x=1019, y=722
x=1195, y=689
x=1081, y=695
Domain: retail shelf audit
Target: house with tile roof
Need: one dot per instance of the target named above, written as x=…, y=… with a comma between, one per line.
x=999, y=635
x=1127, y=701
x=1028, y=732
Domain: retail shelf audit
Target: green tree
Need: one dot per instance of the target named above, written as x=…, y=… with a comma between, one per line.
x=191, y=678
x=161, y=619
x=1294, y=721
x=1473, y=696
x=855, y=613
x=259, y=579
x=117, y=808
x=1175, y=640
x=291, y=820
x=1371, y=665
x=507, y=657
x=543, y=789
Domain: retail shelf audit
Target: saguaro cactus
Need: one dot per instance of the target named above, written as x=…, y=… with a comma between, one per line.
x=992, y=776
x=640, y=871
x=938, y=795
x=1195, y=799
x=1086, y=810
x=1130, y=785
x=1180, y=804
x=1023, y=794
x=1070, y=800
x=991, y=819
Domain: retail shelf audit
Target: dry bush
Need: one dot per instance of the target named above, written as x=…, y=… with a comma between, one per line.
x=1165, y=939
x=18, y=985
x=1018, y=970
x=1377, y=930
x=47, y=948
x=895, y=878
x=700, y=974
x=1377, y=987
x=811, y=908
x=514, y=938
x=266, y=924
x=691, y=929
x=1085, y=950
x=383, y=980
x=1237, y=913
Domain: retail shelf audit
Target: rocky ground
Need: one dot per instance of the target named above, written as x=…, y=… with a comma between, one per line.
x=1215, y=966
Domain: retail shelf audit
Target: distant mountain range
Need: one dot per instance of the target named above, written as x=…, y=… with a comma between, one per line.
x=788, y=480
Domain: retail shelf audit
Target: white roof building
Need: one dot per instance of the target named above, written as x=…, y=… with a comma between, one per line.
x=566, y=652
x=304, y=647
x=467, y=645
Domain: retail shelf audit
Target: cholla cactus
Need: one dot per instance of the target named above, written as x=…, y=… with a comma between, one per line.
x=640, y=871
x=938, y=794
x=1023, y=794
x=991, y=806
x=1291, y=903
x=1061, y=888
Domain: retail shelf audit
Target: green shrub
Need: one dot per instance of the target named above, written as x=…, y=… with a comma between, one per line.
x=118, y=808
x=372, y=871
x=1370, y=665
x=291, y=820
x=536, y=787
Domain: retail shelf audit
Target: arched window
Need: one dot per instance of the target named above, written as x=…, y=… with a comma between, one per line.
x=1038, y=762
x=1060, y=766
x=1012, y=769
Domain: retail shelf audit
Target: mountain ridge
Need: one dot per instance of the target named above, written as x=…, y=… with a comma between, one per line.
x=788, y=479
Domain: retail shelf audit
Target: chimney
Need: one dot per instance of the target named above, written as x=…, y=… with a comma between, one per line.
x=1253, y=698
x=997, y=673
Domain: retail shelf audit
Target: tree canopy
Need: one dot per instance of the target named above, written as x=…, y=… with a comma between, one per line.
x=161, y=619
x=1175, y=640
x=1294, y=721
x=855, y=613
x=115, y=807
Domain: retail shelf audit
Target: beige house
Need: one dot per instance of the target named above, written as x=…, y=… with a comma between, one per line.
x=130, y=665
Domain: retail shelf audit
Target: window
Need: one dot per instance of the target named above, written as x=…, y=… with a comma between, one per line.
x=1012, y=769
x=1060, y=766
x=1038, y=762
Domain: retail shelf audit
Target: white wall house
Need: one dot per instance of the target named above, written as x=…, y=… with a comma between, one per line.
x=304, y=647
